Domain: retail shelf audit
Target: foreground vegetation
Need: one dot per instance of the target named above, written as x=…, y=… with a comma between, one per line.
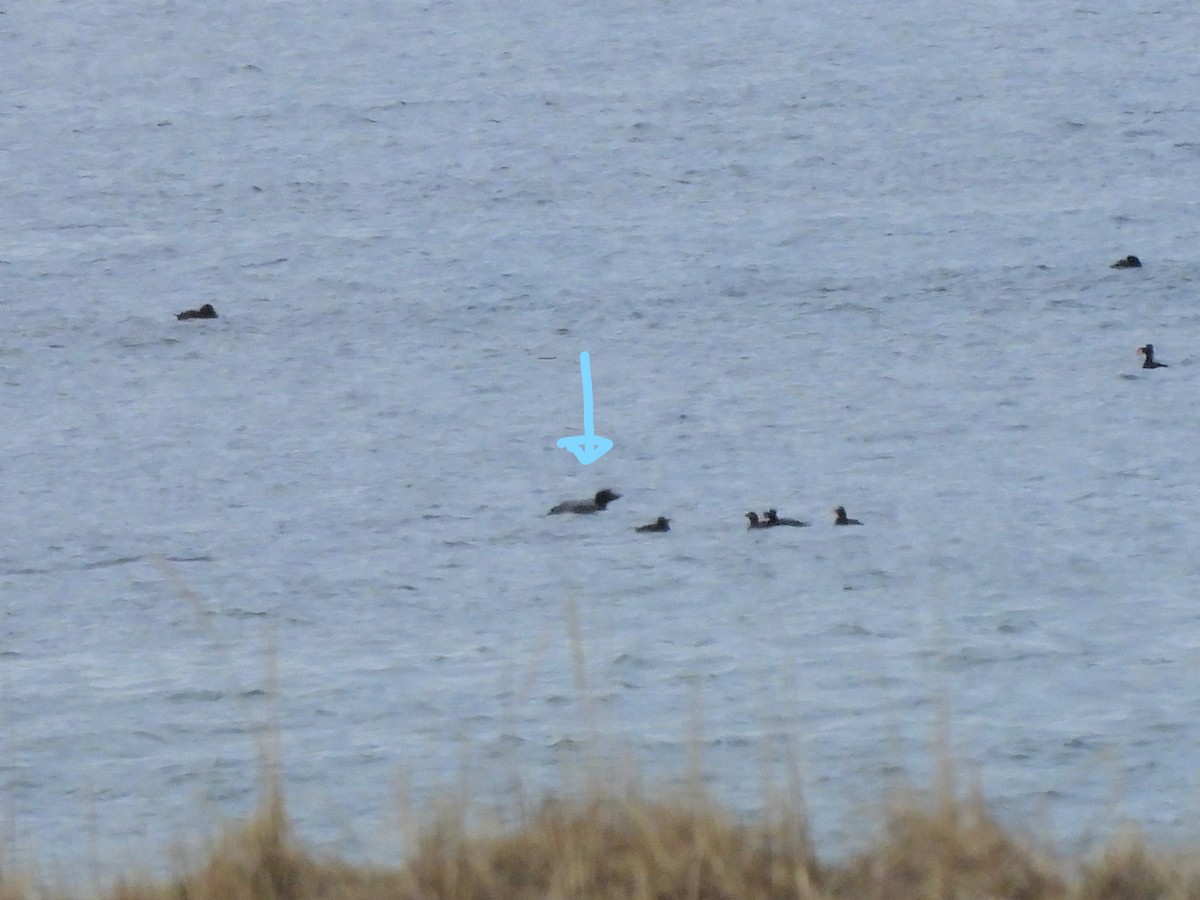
x=628, y=845
x=614, y=840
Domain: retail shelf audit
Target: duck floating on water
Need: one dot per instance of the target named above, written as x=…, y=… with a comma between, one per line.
x=1149, y=362
x=661, y=524
x=754, y=521
x=204, y=312
x=1129, y=262
x=772, y=519
x=842, y=518
x=597, y=504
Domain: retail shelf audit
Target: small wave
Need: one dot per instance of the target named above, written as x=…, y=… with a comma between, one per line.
x=630, y=660
x=197, y=696
x=1084, y=742
x=1016, y=626
x=851, y=629
x=114, y=561
x=738, y=741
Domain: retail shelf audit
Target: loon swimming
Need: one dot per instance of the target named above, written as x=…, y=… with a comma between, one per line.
x=773, y=519
x=1129, y=262
x=204, y=312
x=598, y=504
x=1149, y=362
x=843, y=519
x=662, y=524
x=754, y=523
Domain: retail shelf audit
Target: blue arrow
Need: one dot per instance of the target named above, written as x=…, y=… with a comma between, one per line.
x=587, y=447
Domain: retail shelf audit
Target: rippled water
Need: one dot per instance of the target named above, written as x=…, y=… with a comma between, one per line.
x=851, y=256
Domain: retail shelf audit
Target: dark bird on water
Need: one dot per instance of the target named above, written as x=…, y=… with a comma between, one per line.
x=842, y=518
x=754, y=522
x=773, y=519
x=1149, y=362
x=1129, y=262
x=661, y=524
x=598, y=504
x=204, y=312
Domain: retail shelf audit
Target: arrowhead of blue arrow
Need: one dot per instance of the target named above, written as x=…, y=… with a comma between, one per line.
x=587, y=447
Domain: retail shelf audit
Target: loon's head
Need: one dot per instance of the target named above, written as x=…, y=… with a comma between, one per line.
x=605, y=497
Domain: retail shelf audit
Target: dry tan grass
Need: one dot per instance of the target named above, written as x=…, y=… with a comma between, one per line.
x=945, y=848
x=626, y=845
x=606, y=842
x=616, y=847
